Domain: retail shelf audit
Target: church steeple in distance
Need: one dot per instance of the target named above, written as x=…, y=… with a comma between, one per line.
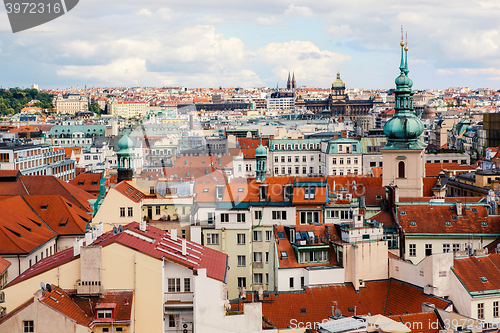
x=404, y=129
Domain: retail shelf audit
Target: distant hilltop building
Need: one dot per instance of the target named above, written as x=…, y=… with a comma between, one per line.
x=71, y=103
x=338, y=103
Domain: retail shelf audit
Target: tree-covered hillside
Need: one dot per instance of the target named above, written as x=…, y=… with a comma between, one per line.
x=14, y=99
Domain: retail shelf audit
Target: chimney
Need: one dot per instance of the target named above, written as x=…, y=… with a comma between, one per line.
x=88, y=238
x=184, y=247
x=173, y=234
x=459, y=208
x=142, y=226
x=100, y=229
x=76, y=247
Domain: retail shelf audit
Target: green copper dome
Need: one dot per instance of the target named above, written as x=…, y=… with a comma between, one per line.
x=125, y=142
x=404, y=129
x=261, y=151
x=338, y=83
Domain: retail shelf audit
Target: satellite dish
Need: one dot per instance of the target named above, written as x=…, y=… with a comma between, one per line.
x=42, y=285
x=338, y=313
x=49, y=287
x=115, y=230
x=120, y=228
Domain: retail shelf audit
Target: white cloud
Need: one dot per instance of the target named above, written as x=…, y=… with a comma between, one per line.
x=340, y=30
x=266, y=21
x=303, y=11
x=469, y=71
x=161, y=13
x=312, y=66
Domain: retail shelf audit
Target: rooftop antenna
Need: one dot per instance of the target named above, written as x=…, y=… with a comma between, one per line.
x=49, y=287
x=42, y=285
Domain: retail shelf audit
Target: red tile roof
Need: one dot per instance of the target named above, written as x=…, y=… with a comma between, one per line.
x=433, y=169
x=60, y=301
x=59, y=214
x=429, y=183
x=431, y=219
x=291, y=259
x=47, y=185
x=129, y=191
x=198, y=256
x=21, y=230
x=119, y=300
x=89, y=182
x=423, y=322
x=4, y=264
x=470, y=270
x=388, y=297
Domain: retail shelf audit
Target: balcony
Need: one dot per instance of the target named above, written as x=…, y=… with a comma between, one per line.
x=179, y=298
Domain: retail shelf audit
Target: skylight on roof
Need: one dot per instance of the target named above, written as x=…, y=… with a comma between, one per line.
x=403, y=212
x=205, y=190
x=484, y=224
x=284, y=254
x=483, y=279
x=281, y=235
x=413, y=224
x=240, y=190
x=474, y=210
x=448, y=224
x=454, y=218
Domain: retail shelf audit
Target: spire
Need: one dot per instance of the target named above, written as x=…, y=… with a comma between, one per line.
x=406, y=56
x=404, y=129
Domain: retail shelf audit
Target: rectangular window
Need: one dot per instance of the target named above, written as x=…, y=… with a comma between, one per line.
x=341, y=161
x=355, y=160
x=289, y=159
x=258, y=214
x=297, y=170
x=212, y=239
x=240, y=239
x=456, y=247
x=257, y=278
x=242, y=261
x=122, y=211
x=257, y=257
x=311, y=169
x=304, y=170
x=28, y=326
x=224, y=217
x=172, y=320
x=348, y=161
x=428, y=249
x=130, y=212
x=291, y=282
x=304, y=158
x=282, y=159
x=495, y=309
x=289, y=170
x=267, y=257
x=158, y=210
x=240, y=217
x=187, y=285
x=211, y=218
x=334, y=161
x=276, y=171
x=413, y=250
x=242, y=282
x=104, y=314
x=296, y=158
x=480, y=311
x=257, y=236
x=446, y=248
x=268, y=235
x=276, y=159
x=174, y=285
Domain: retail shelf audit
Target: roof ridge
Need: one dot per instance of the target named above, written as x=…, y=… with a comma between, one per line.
x=387, y=297
x=33, y=210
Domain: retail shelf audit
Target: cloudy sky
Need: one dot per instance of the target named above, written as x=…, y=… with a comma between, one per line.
x=255, y=43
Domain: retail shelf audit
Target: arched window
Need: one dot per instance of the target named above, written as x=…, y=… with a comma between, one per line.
x=401, y=169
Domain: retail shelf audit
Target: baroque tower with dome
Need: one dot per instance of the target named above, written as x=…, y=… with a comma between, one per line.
x=404, y=155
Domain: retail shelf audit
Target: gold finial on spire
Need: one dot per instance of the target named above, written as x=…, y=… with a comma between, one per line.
x=402, y=42
x=406, y=42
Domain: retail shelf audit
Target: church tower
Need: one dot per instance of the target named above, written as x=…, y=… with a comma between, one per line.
x=404, y=155
x=125, y=158
x=294, y=84
x=289, y=82
x=261, y=157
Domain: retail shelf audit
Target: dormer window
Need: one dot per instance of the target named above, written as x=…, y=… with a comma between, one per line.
x=263, y=192
x=104, y=314
x=219, y=192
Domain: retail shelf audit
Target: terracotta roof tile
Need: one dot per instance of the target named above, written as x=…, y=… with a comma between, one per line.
x=129, y=191
x=60, y=301
x=21, y=230
x=317, y=302
x=419, y=322
x=4, y=264
x=470, y=270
